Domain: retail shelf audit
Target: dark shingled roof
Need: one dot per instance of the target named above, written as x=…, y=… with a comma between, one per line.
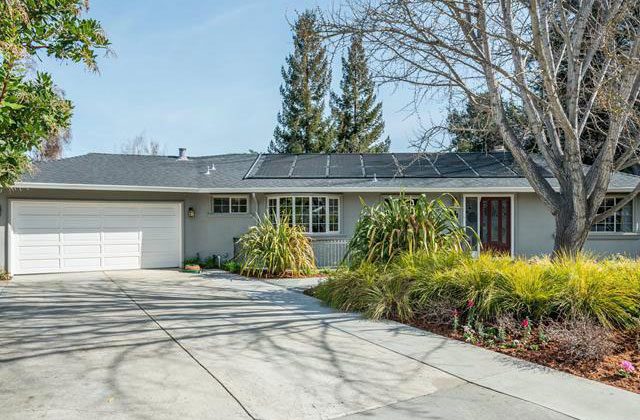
x=252, y=172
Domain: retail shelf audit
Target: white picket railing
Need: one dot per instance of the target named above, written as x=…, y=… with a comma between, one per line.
x=329, y=252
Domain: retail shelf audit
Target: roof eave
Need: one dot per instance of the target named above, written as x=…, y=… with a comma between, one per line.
x=333, y=189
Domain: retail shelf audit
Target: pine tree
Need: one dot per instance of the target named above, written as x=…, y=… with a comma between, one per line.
x=357, y=116
x=302, y=126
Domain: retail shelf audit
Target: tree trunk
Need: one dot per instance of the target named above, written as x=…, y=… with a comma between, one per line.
x=571, y=233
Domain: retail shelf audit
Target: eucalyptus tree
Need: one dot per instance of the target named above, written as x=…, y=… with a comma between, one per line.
x=504, y=47
x=34, y=114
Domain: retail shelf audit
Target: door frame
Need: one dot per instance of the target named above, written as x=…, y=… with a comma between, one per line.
x=512, y=199
x=10, y=233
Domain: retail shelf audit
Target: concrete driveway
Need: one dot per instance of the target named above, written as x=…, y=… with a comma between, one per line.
x=155, y=344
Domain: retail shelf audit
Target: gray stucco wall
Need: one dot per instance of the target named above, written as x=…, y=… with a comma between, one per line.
x=208, y=234
x=534, y=230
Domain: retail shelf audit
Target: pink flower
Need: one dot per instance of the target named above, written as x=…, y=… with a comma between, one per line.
x=525, y=323
x=627, y=366
x=455, y=312
x=470, y=303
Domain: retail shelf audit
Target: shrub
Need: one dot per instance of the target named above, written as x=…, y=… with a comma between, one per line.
x=192, y=261
x=580, y=339
x=276, y=250
x=347, y=289
x=231, y=266
x=210, y=262
x=401, y=224
x=4, y=276
x=490, y=287
x=606, y=291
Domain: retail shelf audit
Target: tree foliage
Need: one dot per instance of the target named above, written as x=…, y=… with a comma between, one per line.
x=302, y=126
x=356, y=114
x=473, y=129
x=466, y=48
x=33, y=112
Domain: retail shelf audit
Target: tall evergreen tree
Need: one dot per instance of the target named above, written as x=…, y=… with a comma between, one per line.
x=302, y=126
x=357, y=115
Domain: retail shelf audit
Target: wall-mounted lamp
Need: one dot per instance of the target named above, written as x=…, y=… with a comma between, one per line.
x=191, y=212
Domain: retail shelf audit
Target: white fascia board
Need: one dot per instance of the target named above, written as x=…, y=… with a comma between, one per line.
x=97, y=187
x=236, y=190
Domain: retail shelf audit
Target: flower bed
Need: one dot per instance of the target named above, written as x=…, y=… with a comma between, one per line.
x=577, y=315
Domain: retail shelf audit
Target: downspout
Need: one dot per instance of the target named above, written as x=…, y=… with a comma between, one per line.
x=255, y=204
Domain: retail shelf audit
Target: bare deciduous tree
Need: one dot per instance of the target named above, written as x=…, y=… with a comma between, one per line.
x=139, y=145
x=52, y=148
x=568, y=62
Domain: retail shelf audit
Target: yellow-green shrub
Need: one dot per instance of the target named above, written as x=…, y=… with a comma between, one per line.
x=606, y=291
x=276, y=250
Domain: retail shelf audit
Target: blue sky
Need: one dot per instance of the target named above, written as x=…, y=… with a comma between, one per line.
x=198, y=74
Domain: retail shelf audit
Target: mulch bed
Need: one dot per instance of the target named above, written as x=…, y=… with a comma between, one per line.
x=548, y=354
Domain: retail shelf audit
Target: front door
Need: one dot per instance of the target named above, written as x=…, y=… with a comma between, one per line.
x=495, y=224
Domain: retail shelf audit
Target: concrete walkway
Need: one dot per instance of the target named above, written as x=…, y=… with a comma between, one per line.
x=161, y=344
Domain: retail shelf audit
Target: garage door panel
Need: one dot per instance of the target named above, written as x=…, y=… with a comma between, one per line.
x=121, y=210
x=37, y=236
x=80, y=236
x=158, y=221
x=88, y=250
x=27, y=265
x=121, y=249
x=37, y=209
x=37, y=221
x=85, y=264
x=158, y=234
x=160, y=210
x=151, y=260
x=121, y=262
x=122, y=221
x=160, y=247
x=39, y=252
x=84, y=236
x=121, y=236
x=76, y=222
x=79, y=209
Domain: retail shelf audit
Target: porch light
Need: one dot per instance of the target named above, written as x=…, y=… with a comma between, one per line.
x=191, y=212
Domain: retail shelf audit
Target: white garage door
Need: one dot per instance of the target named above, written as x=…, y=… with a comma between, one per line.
x=59, y=236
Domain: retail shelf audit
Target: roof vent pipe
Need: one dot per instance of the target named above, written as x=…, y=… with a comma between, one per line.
x=182, y=154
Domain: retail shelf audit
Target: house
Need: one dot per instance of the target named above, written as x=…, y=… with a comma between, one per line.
x=110, y=211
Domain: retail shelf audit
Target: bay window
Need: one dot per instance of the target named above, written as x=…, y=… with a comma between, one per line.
x=314, y=213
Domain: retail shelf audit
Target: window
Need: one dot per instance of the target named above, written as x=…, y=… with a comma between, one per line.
x=620, y=221
x=471, y=219
x=315, y=214
x=229, y=205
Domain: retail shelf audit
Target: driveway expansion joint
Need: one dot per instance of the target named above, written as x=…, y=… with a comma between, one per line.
x=177, y=342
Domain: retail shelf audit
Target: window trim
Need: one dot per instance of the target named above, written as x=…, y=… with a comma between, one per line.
x=310, y=197
x=229, y=197
x=615, y=233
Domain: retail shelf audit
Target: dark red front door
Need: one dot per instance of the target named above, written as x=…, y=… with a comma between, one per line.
x=495, y=224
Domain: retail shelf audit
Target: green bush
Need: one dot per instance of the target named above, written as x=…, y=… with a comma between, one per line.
x=490, y=287
x=269, y=249
x=231, y=266
x=402, y=224
x=210, y=262
x=192, y=261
